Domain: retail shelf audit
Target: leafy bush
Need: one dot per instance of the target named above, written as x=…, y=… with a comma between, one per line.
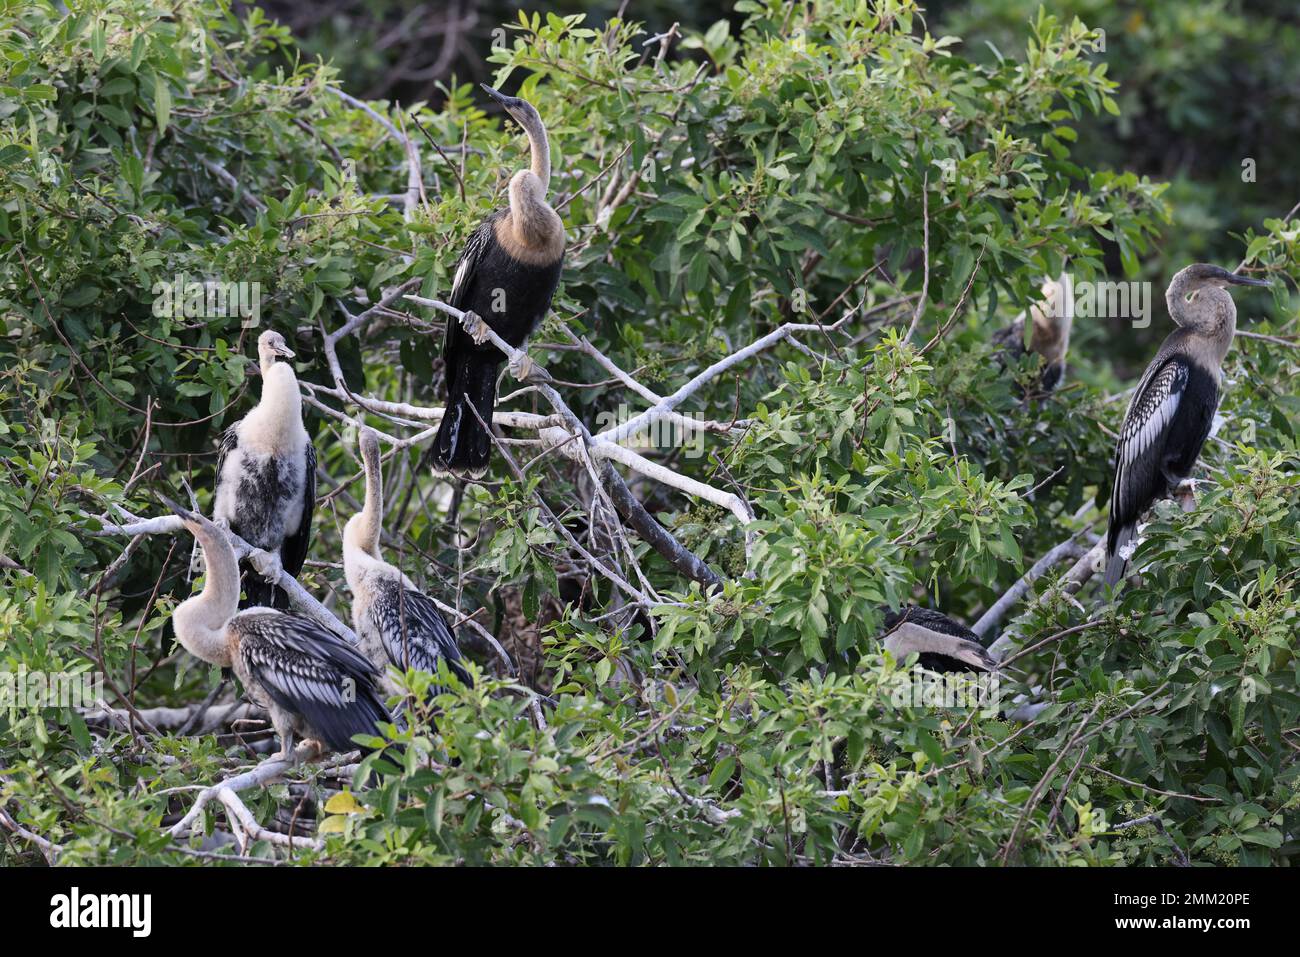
x=792, y=170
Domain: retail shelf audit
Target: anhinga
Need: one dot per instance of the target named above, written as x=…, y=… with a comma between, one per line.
x=1172, y=409
x=1049, y=335
x=943, y=644
x=506, y=276
x=266, y=474
x=311, y=682
x=395, y=623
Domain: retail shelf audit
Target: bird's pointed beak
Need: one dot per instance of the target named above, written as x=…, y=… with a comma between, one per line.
x=495, y=94
x=285, y=352
x=1246, y=280
x=171, y=505
x=190, y=518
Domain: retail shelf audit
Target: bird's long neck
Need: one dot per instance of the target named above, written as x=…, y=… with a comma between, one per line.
x=909, y=637
x=534, y=225
x=200, y=622
x=372, y=511
x=1221, y=339
x=532, y=221
x=278, y=415
x=539, y=146
x=1176, y=298
x=361, y=558
x=1052, y=320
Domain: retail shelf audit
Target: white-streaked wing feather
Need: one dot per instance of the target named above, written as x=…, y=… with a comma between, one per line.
x=462, y=270
x=1151, y=412
x=1142, y=436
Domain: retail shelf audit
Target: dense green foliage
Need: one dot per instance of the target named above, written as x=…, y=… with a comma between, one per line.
x=756, y=724
x=1209, y=99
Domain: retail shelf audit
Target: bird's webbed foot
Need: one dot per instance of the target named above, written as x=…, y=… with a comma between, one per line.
x=477, y=329
x=523, y=368
x=268, y=565
x=1185, y=494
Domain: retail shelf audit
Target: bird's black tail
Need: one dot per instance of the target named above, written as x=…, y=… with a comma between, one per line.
x=1117, y=540
x=463, y=446
x=260, y=593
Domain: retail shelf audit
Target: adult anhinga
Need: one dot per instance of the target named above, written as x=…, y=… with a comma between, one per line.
x=395, y=623
x=1170, y=414
x=943, y=645
x=506, y=276
x=311, y=682
x=266, y=474
x=1049, y=335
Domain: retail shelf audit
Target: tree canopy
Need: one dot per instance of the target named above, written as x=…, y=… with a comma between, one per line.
x=791, y=238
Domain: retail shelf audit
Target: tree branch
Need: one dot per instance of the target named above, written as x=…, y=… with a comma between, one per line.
x=1074, y=579
x=648, y=527
x=603, y=446
x=263, y=561
x=991, y=618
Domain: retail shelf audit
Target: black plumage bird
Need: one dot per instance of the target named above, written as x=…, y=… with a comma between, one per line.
x=1172, y=409
x=506, y=276
x=312, y=683
x=395, y=623
x=943, y=645
x=266, y=475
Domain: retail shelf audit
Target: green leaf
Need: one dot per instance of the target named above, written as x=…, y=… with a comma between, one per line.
x=722, y=773
x=162, y=102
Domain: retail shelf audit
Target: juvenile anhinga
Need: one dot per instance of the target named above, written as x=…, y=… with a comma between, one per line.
x=1172, y=409
x=506, y=276
x=943, y=645
x=266, y=474
x=395, y=623
x=1049, y=334
x=311, y=682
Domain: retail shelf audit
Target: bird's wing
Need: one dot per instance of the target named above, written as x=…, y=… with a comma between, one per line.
x=930, y=619
x=415, y=633
x=294, y=550
x=470, y=257
x=462, y=285
x=1141, y=445
x=229, y=442
x=311, y=672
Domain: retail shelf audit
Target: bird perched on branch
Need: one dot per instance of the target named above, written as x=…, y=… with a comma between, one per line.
x=506, y=277
x=395, y=622
x=1049, y=335
x=943, y=644
x=311, y=682
x=266, y=474
x=1172, y=409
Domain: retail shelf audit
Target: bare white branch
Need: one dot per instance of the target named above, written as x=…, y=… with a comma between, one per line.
x=991, y=618
x=263, y=561
x=264, y=773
